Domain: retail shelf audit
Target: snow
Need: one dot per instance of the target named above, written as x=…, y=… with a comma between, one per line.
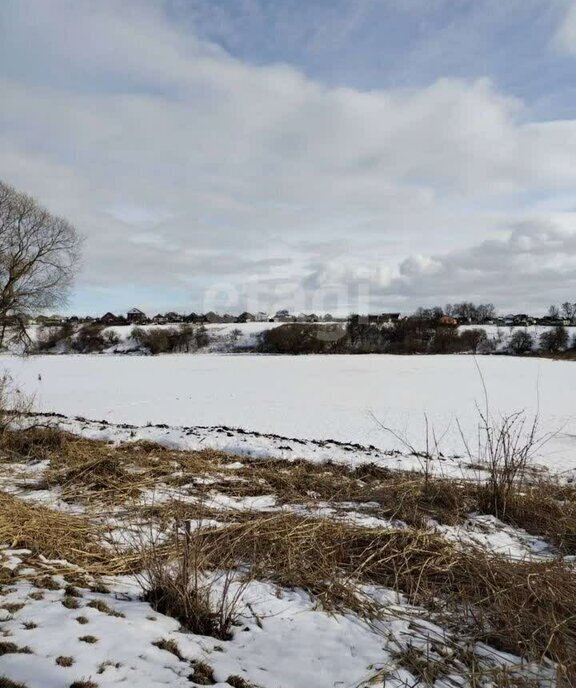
x=310, y=398
x=489, y=533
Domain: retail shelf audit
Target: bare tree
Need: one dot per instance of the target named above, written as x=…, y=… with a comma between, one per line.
x=569, y=311
x=38, y=256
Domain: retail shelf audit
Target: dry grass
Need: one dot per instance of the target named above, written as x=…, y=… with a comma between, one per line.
x=169, y=646
x=203, y=674
x=64, y=661
x=88, y=471
x=56, y=535
x=528, y=608
x=177, y=581
x=102, y=607
x=238, y=682
x=5, y=682
x=32, y=444
x=70, y=602
x=12, y=607
x=8, y=648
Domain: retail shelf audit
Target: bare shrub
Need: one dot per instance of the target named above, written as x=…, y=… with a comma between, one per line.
x=555, y=339
x=506, y=448
x=472, y=339
x=187, y=587
x=14, y=404
x=89, y=338
x=302, y=338
x=161, y=340
x=48, y=338
x=521, y=342
x=111, y=338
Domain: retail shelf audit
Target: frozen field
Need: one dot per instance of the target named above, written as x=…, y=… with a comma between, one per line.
x=309, y=397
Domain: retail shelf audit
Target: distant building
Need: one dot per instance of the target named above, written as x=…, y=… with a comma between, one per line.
x=212, y=317
x=136, y=317
x=109, y=319
x=282, y=315
x=173, y=317
x=375, y=318
x=261, y=317
x=448, y=321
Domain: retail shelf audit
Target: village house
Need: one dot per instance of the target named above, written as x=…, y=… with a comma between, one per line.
x=110, y=319
x=136, y=317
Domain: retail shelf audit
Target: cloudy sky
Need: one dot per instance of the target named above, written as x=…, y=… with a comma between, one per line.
x=313, y=154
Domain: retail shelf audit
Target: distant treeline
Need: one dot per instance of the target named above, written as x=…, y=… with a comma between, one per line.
x=359, y=335
x=409, y=336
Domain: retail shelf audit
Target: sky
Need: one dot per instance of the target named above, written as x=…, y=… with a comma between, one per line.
x=315, y=155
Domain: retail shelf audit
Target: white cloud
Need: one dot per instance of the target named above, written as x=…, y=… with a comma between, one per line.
x=565, y=37
x=184, y=166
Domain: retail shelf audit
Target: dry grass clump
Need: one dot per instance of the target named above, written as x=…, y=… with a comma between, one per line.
x=238, y=682
x=89, y=470
x=101, y=606
x=32, y=444
x=8, y=648
x=176, y=581
x=56, y=535
x=71, y=591
x=45, y=582
x=64, y=661
x=5, y=682
x=547, y=510
x=70, y=602
x=169, y=646
x=203, y=674
x=12, y=607
x=426, y=668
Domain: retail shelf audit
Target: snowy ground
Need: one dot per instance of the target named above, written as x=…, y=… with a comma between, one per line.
x=283, y=641
x=321, y=408
x=309, y=397
x=53, y=636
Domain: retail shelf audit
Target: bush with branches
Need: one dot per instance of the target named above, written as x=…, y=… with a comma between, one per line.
x=555, y=339
x=49, y=337
x=302, y=338
x=161, y=340
x=521, y=342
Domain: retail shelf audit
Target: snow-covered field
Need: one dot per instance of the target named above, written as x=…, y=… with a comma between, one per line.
x=315, y=407
x=310, y=397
